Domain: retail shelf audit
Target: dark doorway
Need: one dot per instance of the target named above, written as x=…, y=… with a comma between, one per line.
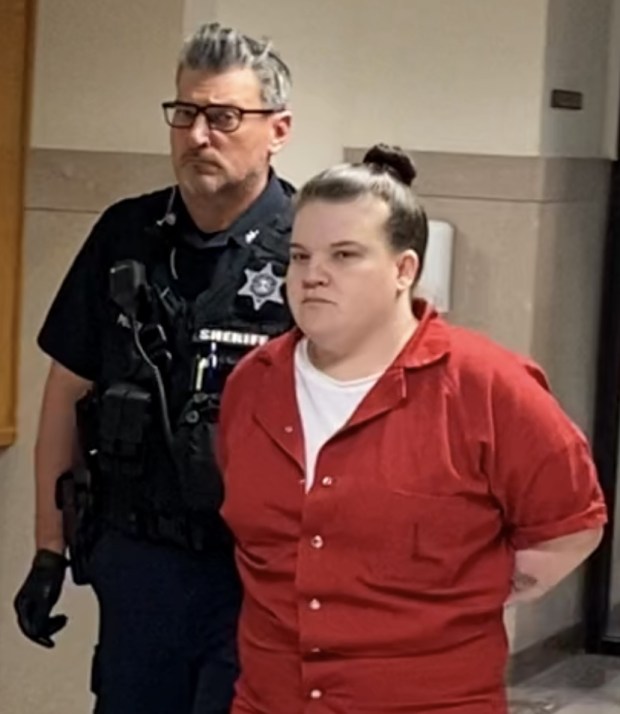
x=602, y=593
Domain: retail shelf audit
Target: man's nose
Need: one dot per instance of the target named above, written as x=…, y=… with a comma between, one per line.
x=200, y=133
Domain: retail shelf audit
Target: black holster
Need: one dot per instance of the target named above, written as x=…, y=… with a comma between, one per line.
x=75, y=498
x=77, y=494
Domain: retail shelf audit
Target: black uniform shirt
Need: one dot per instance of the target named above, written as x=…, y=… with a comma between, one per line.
x=72, y=331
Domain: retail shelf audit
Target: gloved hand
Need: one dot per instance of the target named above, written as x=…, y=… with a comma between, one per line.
x=38, y=595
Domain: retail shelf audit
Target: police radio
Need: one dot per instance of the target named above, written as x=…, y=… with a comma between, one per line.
x=130, y=290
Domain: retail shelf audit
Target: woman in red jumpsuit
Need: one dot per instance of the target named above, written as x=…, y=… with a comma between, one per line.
x=391, y=480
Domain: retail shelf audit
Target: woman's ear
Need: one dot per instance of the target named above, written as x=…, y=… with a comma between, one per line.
x=408, y=266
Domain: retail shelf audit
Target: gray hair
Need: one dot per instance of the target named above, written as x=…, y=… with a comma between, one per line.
x=214, y=48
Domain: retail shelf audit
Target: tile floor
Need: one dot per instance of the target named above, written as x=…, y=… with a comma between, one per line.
x=582, y=684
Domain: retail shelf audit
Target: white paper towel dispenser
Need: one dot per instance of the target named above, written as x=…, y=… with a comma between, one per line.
x=436, y=280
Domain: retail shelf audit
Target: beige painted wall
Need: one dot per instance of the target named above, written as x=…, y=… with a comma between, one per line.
x=583, y=52
x=419, y=75
x=101, y=71
x=565, y=340
x=430, y=74
x=456, y=76
x=578, y=33
x=197, y=12
x=433, y=74
x=610, y=124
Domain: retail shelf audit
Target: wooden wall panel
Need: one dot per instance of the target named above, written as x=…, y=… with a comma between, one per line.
x=17, y=23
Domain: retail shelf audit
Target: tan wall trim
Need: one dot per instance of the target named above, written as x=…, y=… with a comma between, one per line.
x=89, y=181
x=505, y=178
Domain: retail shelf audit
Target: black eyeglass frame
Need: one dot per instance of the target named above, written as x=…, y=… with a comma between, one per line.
x=204, y=109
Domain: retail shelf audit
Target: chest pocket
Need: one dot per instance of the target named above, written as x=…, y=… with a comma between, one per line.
x=423, y=533
x=427, y=541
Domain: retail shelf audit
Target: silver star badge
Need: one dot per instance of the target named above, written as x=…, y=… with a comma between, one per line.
x=262, y=286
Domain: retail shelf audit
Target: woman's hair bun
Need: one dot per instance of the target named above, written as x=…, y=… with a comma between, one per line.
x=393, y=160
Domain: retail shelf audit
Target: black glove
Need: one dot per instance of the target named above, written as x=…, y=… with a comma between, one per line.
x=38, y=595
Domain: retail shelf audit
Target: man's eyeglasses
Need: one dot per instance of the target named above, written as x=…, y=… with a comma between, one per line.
x=220, y=117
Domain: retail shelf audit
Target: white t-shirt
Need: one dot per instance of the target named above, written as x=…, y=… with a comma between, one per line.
x=325, y=404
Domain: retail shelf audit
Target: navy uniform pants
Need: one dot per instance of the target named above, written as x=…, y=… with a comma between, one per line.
x=167, y=633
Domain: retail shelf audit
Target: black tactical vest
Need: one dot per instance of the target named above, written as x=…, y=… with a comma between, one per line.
x=165, y=361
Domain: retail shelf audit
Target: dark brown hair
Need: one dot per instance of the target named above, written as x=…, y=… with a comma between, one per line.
x=386, y=173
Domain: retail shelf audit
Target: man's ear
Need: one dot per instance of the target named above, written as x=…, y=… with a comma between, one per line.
x=281, y=124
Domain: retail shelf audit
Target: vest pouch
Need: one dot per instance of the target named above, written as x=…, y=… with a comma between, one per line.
x=125, y=418
x=194, y=455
